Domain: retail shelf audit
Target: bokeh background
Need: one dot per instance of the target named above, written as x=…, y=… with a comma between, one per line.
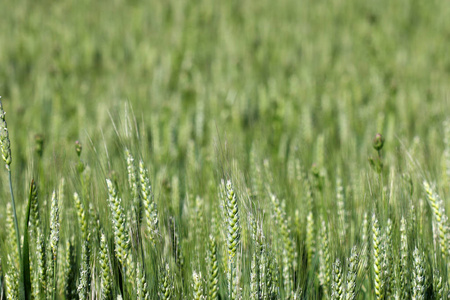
x=340, y=67
x=195, y=87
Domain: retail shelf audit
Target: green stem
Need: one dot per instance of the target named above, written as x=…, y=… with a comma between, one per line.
x=124, y=282
x=231, y=279
x=55, y=278
x=16, y=224
x=41, y=173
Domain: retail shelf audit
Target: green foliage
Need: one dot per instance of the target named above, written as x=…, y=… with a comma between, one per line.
x=287, y=149
x=25, y=271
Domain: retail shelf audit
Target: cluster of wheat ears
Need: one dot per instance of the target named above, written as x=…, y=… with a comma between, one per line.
x=243, y=244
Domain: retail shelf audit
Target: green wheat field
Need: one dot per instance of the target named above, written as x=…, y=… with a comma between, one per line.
x=198, y=149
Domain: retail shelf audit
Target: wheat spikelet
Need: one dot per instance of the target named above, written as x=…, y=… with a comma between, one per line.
x=81, y=216
x=233, y=237
x=404, y=266
x=324, y=259
x=418, y=276
x=121, y=240
x=438, y=285
x=69, y=287
x=54, y=225
x=12, y=280
x=132, y=179
x=85, y=273
x=141, y=290
x=377, y=259
x=166, y=287
x=337, y=289
x=388, y=269
x=233, y=221
x=263, y=275
x=104, y=268
x=40, y=280
x=253, y=279
x=151, y=212
x=351, y=275
x=5, y=143
x=53, y=246
x=11, y=238
x=439, y=216
x=213, y=270
x=34, y=213
x=197, y=286
x=287, y=247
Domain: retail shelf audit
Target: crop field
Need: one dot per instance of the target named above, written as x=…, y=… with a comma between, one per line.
x=197, y=149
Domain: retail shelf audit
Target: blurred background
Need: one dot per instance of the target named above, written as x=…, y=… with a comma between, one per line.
x=279, y=96
x=277, y=72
